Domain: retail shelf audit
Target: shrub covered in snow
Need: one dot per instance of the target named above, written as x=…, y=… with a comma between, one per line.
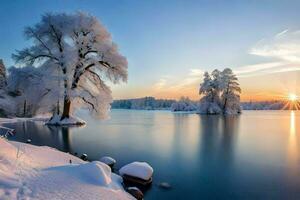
x=184, y=104
x=209, y=108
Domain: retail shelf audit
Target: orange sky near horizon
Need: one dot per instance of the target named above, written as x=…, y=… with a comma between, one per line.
x=266, y=87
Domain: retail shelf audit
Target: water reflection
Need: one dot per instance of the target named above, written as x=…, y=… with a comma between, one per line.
x=185, y=137
x=218, y=137
x=254, y=155
x=217, y=148
x=293, y=147
x=39, y=134
x=292, y=124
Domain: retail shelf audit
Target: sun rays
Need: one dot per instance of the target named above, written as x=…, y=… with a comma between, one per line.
x=291, y=102
x=293, y=97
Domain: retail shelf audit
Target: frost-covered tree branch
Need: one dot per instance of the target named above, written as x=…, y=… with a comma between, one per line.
x=84, y=57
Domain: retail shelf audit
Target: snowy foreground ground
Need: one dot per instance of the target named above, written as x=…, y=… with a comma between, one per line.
x=32, y=172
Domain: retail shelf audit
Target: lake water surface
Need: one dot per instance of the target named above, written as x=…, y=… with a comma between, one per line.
x=252, y=156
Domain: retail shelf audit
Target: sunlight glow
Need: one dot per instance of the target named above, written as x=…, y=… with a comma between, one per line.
x=293, y=97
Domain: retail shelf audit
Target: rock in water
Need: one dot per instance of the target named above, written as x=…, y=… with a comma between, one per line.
x=135, y=192
x=84, y=157
x=137, y=172
x=2, y=75
x=108, y=160
x=164, y=185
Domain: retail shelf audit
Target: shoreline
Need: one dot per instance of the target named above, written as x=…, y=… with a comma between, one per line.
x=43, y=167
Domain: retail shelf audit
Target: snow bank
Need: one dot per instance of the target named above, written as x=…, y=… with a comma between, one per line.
x=56, y=120
x=32, y=172
x=15, y=120
x=140, y=170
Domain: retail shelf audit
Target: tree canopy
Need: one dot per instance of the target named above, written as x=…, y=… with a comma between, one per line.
x=82, y=57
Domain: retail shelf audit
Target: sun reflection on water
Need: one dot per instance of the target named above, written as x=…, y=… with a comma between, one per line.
x=292, y=123
x=293, y=149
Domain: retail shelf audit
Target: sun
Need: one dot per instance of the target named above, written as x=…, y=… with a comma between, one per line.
x=293, y=97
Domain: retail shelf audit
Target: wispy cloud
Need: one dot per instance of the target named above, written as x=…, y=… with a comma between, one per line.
x=196, y=72
x=283, y=48
x=177, y=86
x=282, y=33
x=251, y=69
x=160, y=83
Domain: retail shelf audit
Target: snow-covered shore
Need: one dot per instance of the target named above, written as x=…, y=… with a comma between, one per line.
x=16, y=119
x=32, y=172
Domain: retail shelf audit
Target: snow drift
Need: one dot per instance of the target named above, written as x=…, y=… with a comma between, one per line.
x=57, y=121
x=32, y=172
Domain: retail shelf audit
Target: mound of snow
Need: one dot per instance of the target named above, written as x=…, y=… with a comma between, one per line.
x=96, y=172
x=140, y=170
x=56, y=120
x=38, y=173
x=108, y=160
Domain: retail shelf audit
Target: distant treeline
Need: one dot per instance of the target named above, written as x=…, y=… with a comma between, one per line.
x=146, y=103
x=267, y=105
x=185, y=104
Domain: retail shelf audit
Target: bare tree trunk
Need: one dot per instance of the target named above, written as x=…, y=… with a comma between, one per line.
x=24, y=109
x=67, y=108
x=225, y=104
x=225, y=101
x=58, y=110
x=67, y=101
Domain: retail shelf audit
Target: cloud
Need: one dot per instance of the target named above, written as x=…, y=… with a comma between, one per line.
x=249, y=69
x=177, y=86
x=196, y=72
x=282, y=33
x=160, y=84
x=283, y=48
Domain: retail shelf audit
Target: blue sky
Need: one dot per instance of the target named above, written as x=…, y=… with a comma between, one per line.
x=170, y=43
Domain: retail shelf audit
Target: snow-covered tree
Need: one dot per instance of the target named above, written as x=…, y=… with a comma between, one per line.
x=206, y=88
x=7, y=104
x=210, y=91
x=3, y=81
x=82, y=51
x=231, y=92
x=33, y=90
x=220, y=93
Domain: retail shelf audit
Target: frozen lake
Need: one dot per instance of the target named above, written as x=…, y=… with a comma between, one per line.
x=252, y=156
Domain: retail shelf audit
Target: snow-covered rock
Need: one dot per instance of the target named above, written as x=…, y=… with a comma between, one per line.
x=38, y=173
x=56, y=120
x=108, y=160
x=140, y=170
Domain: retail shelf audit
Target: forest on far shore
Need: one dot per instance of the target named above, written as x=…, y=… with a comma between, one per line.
x=186, y=104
